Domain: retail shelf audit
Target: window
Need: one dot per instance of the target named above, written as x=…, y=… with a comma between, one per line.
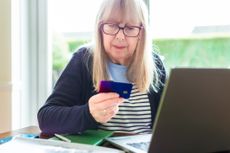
x=191, y=33
x=71, y=23
x=181, y=18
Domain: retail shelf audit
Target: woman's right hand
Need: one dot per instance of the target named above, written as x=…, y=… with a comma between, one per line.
x=104, y=106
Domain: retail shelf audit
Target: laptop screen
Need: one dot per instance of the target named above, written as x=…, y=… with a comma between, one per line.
x=194, y=112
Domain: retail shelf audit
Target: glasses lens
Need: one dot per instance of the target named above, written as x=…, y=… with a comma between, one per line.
x=131, y=31
x=109, y=28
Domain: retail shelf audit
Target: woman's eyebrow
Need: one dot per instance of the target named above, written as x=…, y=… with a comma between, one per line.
x=133, y=24
x=123, y=23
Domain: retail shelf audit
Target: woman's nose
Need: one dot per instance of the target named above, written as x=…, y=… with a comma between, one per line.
x=120, y=35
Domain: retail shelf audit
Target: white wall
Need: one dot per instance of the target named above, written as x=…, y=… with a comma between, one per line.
x=5, y=65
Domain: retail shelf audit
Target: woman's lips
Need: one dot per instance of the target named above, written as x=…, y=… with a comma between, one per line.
x=119, y=47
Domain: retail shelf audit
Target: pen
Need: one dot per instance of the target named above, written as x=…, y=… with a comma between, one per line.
x=62, y=137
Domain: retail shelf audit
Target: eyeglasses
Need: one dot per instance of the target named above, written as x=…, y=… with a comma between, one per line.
x=113, y=29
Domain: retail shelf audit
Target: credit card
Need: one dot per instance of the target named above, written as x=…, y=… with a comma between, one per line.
x=123, y=89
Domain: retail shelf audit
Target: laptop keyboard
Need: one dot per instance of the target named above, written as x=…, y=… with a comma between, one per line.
x=140, y=145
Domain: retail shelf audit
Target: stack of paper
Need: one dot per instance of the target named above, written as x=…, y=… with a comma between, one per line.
x=27, y=145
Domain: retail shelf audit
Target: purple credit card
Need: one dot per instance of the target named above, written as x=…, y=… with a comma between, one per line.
x=123, y=89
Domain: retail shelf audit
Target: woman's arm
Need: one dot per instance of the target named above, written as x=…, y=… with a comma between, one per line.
x=66, y=110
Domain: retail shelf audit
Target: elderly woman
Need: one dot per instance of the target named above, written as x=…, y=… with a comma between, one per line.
x=121, y=51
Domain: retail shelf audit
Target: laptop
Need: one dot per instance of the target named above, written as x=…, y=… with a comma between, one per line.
x=193, y=115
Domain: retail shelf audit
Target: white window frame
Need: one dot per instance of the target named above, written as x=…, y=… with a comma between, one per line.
x=32, y=83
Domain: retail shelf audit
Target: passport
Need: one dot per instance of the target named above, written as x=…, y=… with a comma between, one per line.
x=93, y=137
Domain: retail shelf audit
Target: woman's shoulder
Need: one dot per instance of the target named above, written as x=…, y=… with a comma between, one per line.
x=159, y=63
x=83, y=57
x=83, y=51
x=158, y=59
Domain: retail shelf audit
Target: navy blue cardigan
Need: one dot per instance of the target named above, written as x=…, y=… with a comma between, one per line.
x=66, y=109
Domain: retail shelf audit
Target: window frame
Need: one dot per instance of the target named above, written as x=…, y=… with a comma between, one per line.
x=32, y=83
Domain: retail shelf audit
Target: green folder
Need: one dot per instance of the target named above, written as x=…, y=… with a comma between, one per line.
x=93, y=137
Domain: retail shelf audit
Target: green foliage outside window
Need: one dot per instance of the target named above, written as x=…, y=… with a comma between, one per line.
x=60, y=53
x=183, y=52
x=211, y=52
x=74, y=44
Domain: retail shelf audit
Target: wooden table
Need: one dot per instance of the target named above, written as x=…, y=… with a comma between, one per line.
x=26, y=130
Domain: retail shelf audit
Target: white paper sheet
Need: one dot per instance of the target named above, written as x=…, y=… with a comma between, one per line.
x=26, y=145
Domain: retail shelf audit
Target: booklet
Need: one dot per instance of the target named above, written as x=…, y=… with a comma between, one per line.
x=93, y=137
x=27, y=145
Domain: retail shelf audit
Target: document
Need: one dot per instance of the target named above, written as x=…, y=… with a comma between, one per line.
x=27, y=145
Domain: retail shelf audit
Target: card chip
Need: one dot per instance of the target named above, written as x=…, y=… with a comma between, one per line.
x=125, y=92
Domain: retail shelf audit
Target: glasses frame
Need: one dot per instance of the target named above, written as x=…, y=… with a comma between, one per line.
x=120, y=28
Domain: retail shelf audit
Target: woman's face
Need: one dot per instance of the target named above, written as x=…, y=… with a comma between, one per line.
x=119, y=47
